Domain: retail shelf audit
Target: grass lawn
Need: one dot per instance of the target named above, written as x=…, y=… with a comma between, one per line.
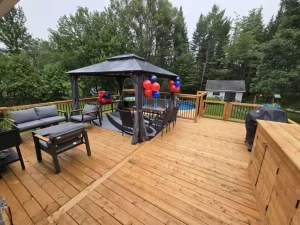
x=294, y=116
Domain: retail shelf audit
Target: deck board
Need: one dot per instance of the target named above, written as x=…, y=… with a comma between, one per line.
x=196, y=174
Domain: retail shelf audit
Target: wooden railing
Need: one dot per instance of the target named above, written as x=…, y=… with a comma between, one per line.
x=61, y=105
x=191, y=107
x=238, y=111
x=232, y=111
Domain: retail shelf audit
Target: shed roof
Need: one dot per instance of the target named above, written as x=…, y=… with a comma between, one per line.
x=226, y=85
x=123, y=65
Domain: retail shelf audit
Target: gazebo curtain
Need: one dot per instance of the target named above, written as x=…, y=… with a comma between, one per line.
x=75, y=92
x=120, y=82
x=139, y=129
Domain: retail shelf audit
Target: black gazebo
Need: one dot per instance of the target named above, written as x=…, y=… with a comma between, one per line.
x=121, y=67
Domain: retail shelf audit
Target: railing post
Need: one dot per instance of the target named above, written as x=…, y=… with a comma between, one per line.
x=197, y=109
x=201, y=105
x=227, y=111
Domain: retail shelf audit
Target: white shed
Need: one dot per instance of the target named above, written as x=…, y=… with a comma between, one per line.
x=229, y=90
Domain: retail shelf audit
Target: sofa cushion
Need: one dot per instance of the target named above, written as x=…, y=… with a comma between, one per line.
x=23, y=116
x=89, y=108
x=78, y=118
x=46, y=111
x=30, y=125
x=53, y=119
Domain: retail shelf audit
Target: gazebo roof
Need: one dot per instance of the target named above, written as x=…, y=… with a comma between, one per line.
x=122, y=65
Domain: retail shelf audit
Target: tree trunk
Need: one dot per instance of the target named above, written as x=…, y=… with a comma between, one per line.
x=204, y=66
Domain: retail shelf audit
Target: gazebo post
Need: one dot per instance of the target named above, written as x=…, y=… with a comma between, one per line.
x=75, y=92
x=173, y=104
x=139, y=129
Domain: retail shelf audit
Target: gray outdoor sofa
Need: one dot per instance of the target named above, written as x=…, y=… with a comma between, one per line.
x=37, y=117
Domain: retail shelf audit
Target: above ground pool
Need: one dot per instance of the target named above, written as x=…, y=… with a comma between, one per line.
x=186, y=105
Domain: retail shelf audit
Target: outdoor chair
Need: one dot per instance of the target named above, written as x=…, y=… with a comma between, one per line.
x=88, y=114
x=127, y=120
x=173, y=116
x=162, y=122
x=161, y=103
x=59, y=142
x=149, y=102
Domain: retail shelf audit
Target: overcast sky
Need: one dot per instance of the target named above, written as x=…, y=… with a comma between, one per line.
x=43, y=14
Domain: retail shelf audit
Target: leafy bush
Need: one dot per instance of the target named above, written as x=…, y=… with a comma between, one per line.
x=215, y=98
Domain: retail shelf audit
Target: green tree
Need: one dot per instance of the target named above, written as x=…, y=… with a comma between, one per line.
x=279, y=71
x=83, y=39
x=243, y=52
x=20, y=82
x=209, y=39
x=183, y=61
x=56, y=82
x=13, y=32
x=40, y=53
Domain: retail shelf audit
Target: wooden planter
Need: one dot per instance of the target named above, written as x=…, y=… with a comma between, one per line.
x=274, y=170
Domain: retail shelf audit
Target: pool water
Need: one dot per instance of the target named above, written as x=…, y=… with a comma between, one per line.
x=187, y=106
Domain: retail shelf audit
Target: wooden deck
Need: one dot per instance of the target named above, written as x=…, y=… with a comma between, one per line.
x=196, y=174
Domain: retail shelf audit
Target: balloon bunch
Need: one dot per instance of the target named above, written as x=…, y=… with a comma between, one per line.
x=174, y=85
x=151, y=87
x=104, y=97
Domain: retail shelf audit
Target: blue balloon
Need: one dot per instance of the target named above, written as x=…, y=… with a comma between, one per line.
x=108, y=95
x=155, y=94
x=153, y=78
x=177, y=83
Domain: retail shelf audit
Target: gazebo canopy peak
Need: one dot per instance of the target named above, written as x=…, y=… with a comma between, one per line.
x=123, y=65
x=126, y=56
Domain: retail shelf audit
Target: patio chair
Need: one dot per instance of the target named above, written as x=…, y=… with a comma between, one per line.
x=161, y=103
x=162, y=122
x=127, y=120
x=173, y=116
x=59, y=142
x=88, y=114
x=149, y=102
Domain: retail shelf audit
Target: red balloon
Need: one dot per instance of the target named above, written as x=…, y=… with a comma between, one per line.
x=147, y=84
x=177, y=89
x=155, y=86
x=99, y=98
x=148, y=93
x=109, y=100
x=173, y=88
x=99, y=93
x=104, y=100
x=171, y=82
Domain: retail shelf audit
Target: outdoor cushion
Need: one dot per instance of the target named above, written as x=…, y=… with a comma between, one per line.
x=53, y=119
x=23, y=116
x=30, y=125
x=85, y=118
x=89, y=108
x=46, y=111
x=66, y=130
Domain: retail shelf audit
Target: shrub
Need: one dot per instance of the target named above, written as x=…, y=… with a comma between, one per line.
x=215, y=98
